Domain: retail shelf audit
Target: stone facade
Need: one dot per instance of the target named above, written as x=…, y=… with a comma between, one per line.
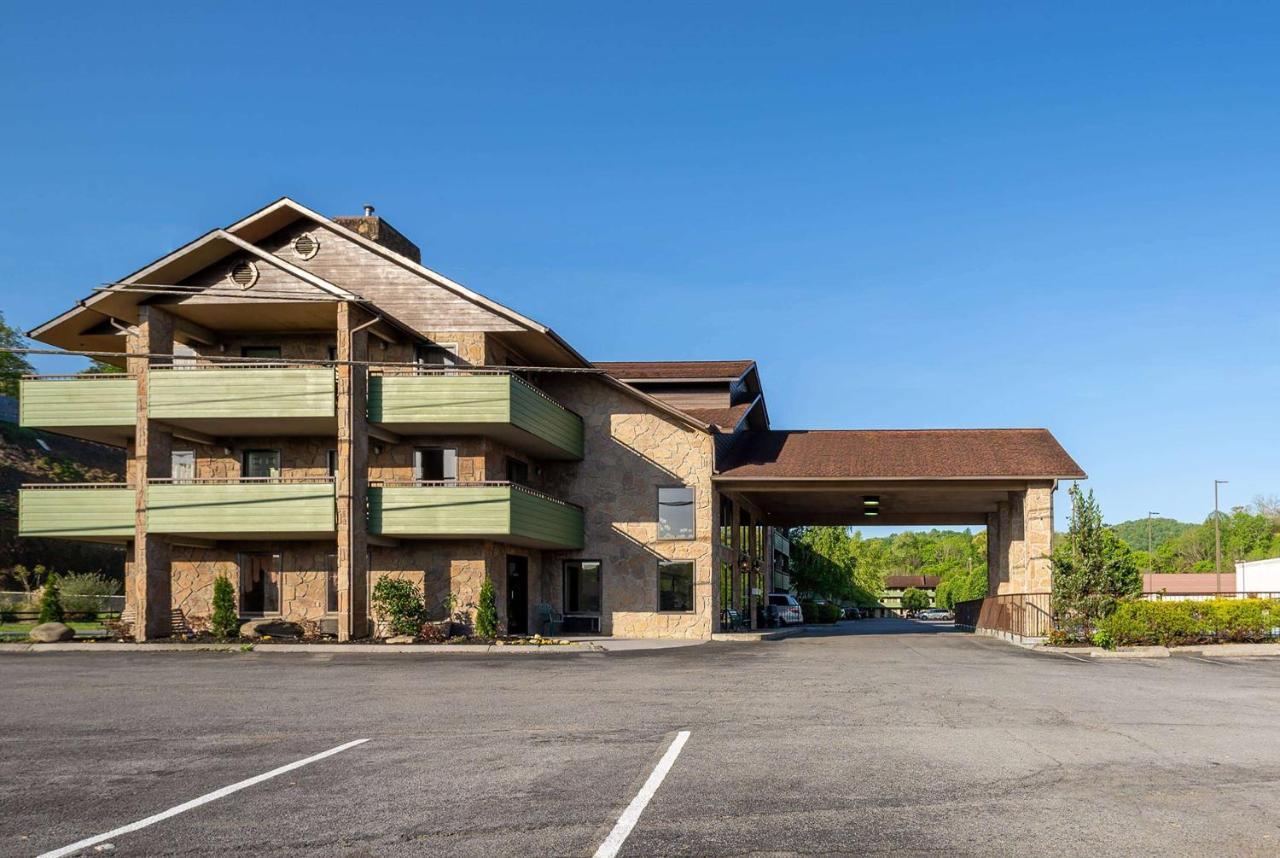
x=631, y=450
x=1019, y=542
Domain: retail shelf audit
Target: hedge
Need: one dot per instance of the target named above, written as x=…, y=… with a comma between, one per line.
x=824, y=613
x=1170, y=623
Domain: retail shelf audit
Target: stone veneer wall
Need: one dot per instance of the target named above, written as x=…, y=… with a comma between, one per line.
x=631, y=450
x=302, y=584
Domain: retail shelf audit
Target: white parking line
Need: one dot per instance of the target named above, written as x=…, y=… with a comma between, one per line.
x=609, y=848
x=195, y=802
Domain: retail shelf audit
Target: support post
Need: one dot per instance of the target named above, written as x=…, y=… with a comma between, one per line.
x=1037, y=511
x=150, y=573
x=352, y=487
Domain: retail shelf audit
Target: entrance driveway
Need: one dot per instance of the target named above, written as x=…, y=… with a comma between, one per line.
x=877, y=736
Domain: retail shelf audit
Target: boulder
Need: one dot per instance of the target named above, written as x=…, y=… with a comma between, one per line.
x=52, y=633
x=270, y=627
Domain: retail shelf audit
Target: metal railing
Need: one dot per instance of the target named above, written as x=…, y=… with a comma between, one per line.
x=461, y=484
x=1027, y=615
x=419, y=370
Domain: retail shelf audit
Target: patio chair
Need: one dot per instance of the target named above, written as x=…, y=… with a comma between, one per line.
x=549, y=621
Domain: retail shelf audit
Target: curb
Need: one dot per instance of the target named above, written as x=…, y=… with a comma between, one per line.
x=380, y=649
x=1227, y=650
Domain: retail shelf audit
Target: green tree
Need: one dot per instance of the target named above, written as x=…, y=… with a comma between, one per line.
x=51, y=602
x=12, y=366
x=1093, y=569
x=97, y=367
x=914, y=599
x=225, y=621
x=487, y=611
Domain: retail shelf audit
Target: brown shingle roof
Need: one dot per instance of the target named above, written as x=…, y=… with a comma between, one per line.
x=702, y=370
x=902, y=582
x=899, y=454
x=721, y=418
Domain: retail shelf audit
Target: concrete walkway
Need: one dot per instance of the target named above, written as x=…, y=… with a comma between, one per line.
x=576, y=646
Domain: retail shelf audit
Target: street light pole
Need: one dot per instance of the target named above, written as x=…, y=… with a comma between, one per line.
x=1217, y=537
x=1151, y=552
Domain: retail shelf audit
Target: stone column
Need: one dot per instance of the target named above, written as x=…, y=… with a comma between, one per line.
x=1017, y=542
x=351, y=481
x=150, y=571
x=1003, y=533
x=1037, y=510
x=993, y=553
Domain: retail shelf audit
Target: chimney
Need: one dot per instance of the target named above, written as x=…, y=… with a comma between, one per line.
x=378, y=230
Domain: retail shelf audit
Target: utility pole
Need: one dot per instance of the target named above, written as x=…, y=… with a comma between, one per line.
x=1151, y=552
x=1217, y=537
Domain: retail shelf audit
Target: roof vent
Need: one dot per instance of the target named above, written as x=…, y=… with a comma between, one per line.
x=244, y=274
x=368, y=210
x=306, y=246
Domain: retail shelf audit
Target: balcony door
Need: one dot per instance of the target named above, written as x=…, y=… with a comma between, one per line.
x=435, y=464
x=517, y=595
x=259, y=583
x=261, y=463
x=183, y=466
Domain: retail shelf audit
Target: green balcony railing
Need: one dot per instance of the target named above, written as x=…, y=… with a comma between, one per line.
x=94, y=511
x=242, y=393
x=100, y=407
x=503, y=512
x=242, y=509
x=491, y=403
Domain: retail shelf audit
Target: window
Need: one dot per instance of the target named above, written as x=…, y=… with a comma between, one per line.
x=437, y=355
x=183, y=464
x=333, y=353
x=517, y=472
x=260, y=583
x=331, y=584
x=675, y=585
x=675, y=513
x=261, y=463
x=265, y=352
x=331, y=462
x=744, y=531
x=435, y=464
x=184, y=357
x=582, y=586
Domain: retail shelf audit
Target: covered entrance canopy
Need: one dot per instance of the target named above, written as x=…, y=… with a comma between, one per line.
x=1001, y=479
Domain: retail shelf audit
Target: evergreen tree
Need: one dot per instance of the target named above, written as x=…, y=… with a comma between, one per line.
x=1092, y=569
x=51, y=602
x=487, y=611
x=225, y=621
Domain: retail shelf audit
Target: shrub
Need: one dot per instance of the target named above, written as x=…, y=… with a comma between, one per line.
x=225, y=621
x=487, y=611
x=1171, y=623
x=398, y=605
x=51, y=602
x=82, y=592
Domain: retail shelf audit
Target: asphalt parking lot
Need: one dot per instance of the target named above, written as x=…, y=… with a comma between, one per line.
x=882, y=736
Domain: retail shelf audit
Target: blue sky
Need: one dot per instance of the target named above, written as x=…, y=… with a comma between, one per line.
x=913, y=215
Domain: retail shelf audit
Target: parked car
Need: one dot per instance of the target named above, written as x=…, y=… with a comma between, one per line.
x=785, y=610
x=936, y=614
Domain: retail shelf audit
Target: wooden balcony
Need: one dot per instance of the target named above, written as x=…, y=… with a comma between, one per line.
x=204, y=509
x=93, y=512
x=502, y=512
x=99, y=407
x=488, y=403
x=264, y=508
x=245, y=399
